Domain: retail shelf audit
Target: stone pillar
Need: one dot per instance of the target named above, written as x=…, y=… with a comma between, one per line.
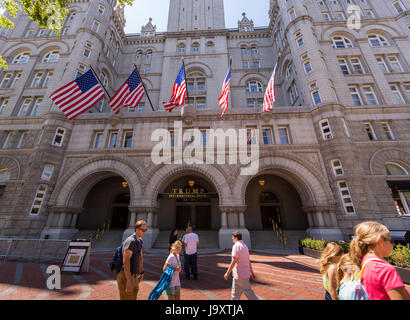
x=224, y=220
x=320, y=229
x=149, y=214
x=74, y=220
x=133, y=219
x=61, y=223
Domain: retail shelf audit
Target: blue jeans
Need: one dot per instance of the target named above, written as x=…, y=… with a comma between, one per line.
x=190, y=265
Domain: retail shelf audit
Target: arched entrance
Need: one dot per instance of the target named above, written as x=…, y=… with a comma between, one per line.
x=188, y=200
x=270, y=197
x=106, y=202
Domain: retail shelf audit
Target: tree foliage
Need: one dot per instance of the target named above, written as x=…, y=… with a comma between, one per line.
x=47, y=14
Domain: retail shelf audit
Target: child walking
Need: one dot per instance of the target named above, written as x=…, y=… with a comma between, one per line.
x=173, y=260
x=328, y=267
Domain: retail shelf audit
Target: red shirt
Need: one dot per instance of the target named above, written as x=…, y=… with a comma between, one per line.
x=379, y=277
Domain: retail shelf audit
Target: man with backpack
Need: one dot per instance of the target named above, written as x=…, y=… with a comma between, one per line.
x=131, y=274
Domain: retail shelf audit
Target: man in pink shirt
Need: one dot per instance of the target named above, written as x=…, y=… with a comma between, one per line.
x=241, y=269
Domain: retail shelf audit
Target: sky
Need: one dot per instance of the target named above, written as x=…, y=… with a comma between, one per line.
x=142, y=10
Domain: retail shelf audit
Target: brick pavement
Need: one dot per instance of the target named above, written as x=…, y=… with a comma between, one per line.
x=278, y=277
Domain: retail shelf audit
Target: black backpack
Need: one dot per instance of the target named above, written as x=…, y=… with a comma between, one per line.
x=117, y=260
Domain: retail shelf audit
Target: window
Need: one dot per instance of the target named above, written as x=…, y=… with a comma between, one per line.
x=36, y=107
x=370, y=132
x=284, y=135
x=344, y=67
x=52, y=56
x=95, y=26
x=204, y=137
x=398, y=5
x=37, y=80
x=401, y=198
x=4, y=175
x=388, y=131
x=307, y=66
x=325, y=16
x=6, y=79
x=354, y=92
x=382, y=64
x=101, y=9
x=22, y=58
x=3, y=104
x=254, y=86
x=113, y=140
x=174, y=138
x=396, y=93
x=407, y=88
x=395, y=64
x=98, y=140
x=251, y=134
x=200, y=103
x=377, y=41
x=245, y=65
x=181, y=48
x=47, y=172
x=87, y=49
x=299, y=39
x=337, y=168
x=29, y=33
x=38, y=200
x=21, y=140
x=346, y=127
x=341, y=42
x=24, y=107
x=128, y=139
x=346, y=198
x=357, y=66
x=59, y=137
x=104, y=79
x=394, y=169
x=370, y=95
x=315, y=93
x=267, y=136
x=7, y=140
x=48, y=79
x=255, y=103
x=326, y=130
x=195, y=48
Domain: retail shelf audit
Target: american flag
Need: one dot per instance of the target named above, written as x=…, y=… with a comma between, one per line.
x=224, y=98
x=79, y=95
x=270, y=96
x=129, y=95
x=178, y=92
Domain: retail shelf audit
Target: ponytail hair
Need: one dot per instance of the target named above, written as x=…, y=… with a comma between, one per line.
x=367, y=235
x=332, y=250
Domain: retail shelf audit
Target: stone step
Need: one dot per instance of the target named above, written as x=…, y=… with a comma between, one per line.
x=207, y=239
x=110, y=240
x=266, y=239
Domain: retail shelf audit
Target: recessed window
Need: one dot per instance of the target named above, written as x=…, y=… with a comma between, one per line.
x=326, y=130
x=47, y=172
x=346, y=198
x=59, y=137
x=38, y=200
x=337, y=167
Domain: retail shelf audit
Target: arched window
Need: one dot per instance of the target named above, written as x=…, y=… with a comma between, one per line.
x=289, y=69
x=254, y=49
x=52, y=56
x=181, y=48
x=195, y=47
x=376, y=40
x=4, y=175
x=254, y=86
x=139, y=55
x=149, y=55
x=22, y=58
x=340, y=42
x=210, y=46
x=244, y=50
x=394, y=169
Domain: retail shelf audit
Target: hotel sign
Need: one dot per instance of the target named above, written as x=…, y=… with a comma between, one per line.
x=189, y=194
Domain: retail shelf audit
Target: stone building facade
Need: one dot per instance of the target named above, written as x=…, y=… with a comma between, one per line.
x=334, y=152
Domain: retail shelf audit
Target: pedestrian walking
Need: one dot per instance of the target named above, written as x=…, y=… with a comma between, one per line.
x=379, y=278
x=191, y=242
x=241, y=269
x=172, y=238
x=173, y=260
x=132, y=272
x=328, y=268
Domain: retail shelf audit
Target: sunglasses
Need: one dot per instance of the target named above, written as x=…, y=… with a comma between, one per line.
x=143, y=230
x=389, y=239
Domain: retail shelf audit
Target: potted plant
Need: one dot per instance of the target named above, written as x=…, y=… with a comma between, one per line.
x=400, y=258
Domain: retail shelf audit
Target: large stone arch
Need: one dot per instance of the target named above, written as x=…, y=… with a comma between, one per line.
x=312, y=188
x=167, y=173
x=74, y=185
x=380, y=157
x=13, y=165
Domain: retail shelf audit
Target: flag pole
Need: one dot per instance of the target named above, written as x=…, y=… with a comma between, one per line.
x=135, y=66
x=95, y=74
x=186, y=82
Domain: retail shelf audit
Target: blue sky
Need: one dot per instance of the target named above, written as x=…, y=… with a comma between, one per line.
x=142, y=10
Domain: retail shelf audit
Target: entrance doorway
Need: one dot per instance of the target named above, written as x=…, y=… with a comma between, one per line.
x=119, y=218
x=270, y=210
x=196, y=215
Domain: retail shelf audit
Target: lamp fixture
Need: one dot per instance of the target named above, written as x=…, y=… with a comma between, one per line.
x=124, y=184
x=191, y=183
x=261, y=182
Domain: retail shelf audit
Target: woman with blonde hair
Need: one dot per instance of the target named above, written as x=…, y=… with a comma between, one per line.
x=328, y=264
x=173, y=260
x=380, y=279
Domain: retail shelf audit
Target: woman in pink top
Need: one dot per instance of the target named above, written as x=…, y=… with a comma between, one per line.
x=380, y=278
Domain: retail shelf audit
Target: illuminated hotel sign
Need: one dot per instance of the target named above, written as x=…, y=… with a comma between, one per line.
x=189, y=194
